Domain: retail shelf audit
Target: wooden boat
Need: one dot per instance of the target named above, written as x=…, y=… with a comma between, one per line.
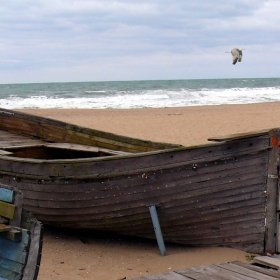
x=20, y=238
x=220, y=194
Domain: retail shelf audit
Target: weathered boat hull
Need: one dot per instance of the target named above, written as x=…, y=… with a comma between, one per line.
x=21, y=238
x=209, y=195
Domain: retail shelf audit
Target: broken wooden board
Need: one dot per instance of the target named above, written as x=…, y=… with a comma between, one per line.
x=224, y=271
x=273, y=262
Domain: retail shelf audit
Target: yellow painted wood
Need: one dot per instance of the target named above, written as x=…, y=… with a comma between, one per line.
x=13, y=234
x=4, y=228
x=4, y=220
x=7, y=210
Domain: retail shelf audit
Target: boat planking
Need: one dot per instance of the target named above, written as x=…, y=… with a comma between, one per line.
x=21, y=238
x=223, y=193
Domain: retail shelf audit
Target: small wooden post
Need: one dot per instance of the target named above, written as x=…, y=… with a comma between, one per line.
x=272, y=231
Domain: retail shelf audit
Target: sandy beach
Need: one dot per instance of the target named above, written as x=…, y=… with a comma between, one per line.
x=81, y=255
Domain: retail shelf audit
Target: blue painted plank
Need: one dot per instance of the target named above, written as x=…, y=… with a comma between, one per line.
x=9, y=275
x=15, y=251
x=11, y=265
x=6, y=195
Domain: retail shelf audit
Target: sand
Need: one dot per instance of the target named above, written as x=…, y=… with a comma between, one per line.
x=80, y=255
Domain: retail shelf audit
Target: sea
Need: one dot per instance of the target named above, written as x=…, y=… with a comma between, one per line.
x=139, y=94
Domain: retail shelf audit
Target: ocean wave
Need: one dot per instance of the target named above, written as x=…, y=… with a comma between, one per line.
x=123, y=95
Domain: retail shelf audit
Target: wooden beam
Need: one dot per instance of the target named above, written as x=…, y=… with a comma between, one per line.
x=18, y=200
x=4, y=228
x=13, y=234
x=267, y=261
x=272, y=191
x=238, y=136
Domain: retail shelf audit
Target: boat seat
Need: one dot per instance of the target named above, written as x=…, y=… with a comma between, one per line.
x=9, y=150
x=84, y=148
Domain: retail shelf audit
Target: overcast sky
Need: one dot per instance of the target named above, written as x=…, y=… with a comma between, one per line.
x=97, y=40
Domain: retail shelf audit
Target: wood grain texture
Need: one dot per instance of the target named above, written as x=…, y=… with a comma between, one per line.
x=208, y=195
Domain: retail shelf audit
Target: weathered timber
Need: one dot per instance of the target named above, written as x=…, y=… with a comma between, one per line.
x=223, y=271
x=272, y=193
x=217, y=194
x=21, y=248
x=7, y=210
x=274, y=182
x=4, y=228
x=267, y=261
x=12, y=233
x=238, y=136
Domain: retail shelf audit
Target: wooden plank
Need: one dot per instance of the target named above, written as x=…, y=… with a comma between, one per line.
x=11, y=266
x=31, y=269
x=7, y=274
x=152, y=162
x=11, y=140
x=84, y=148
x=272, y=185
x=4, y=228
x=15, y=251
x=225, y=271
x=231, y=137
x=266, y=271
x=31, y=124
x=165, y=276
x=198, y=273
x=13, y=234
x=6, y=195
x=267, y=261
x=18, y=201
x=213, y=272
x=7, y=210
x=245, y=271
x=276, y=256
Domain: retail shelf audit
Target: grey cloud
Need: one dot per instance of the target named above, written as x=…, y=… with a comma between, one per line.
x=61, y=34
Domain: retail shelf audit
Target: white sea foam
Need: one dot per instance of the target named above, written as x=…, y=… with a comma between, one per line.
x=129, y=97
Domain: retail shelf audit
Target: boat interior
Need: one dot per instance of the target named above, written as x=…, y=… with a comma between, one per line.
x=16, y=145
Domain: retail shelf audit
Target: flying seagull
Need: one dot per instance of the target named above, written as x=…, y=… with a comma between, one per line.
x=236, y=55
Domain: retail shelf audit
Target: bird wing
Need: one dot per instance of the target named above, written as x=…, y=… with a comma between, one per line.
x=235, y=52
x=239, y=54
x=235, y=58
